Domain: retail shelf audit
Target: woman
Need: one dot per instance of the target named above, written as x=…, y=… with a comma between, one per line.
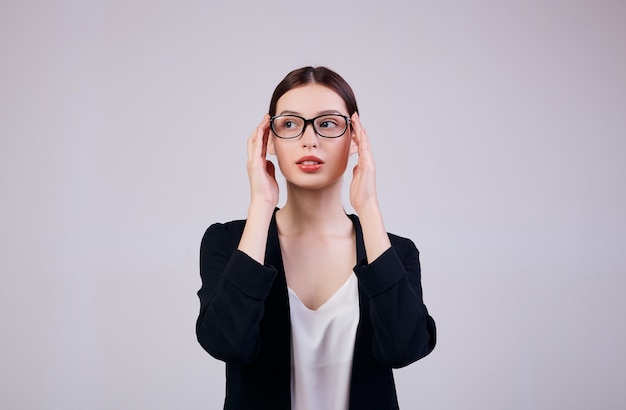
x=311, y=308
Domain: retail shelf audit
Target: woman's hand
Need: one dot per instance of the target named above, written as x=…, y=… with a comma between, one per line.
x=261, y=172
x=263, y=194
x=363, y=188
x=363, y=195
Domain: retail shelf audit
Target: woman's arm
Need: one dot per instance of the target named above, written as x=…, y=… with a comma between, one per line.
x=363, y=196
x=263, y=193
x=232, y=296
x=403, y=329
x=234, y=281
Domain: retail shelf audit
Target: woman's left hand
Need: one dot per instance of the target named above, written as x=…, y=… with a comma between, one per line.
x=363, y=187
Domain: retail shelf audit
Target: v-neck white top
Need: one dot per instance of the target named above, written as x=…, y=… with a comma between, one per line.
x=322, y=348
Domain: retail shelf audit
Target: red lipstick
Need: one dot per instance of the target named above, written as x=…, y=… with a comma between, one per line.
x=309, y=164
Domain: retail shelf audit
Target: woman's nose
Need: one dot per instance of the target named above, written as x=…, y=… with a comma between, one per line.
x=309, y=137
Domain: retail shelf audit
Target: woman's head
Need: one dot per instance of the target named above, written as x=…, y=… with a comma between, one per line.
x=318, y=155
x=315, y=75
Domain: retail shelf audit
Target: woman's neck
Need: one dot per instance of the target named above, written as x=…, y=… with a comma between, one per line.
x=313, y=212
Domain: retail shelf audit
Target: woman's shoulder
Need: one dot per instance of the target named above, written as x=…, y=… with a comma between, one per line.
x=235, y=224
x=404, y=246
x=224, y=232
x=400, y=243
x=400, y=240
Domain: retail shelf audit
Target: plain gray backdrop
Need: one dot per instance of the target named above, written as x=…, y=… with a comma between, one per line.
x=499, y=130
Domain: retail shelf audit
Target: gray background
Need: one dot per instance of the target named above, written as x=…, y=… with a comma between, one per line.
x=499, y=130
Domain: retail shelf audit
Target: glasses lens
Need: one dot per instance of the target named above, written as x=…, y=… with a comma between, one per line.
x=287, y=126
x=331, y=126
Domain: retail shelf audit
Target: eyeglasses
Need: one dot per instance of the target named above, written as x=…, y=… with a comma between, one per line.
x=326, y=125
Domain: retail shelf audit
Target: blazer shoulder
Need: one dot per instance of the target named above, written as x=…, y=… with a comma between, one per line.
x=227, y=228
x=401, y=241
x=401, y=244
x=225, y=232
x=405, y=247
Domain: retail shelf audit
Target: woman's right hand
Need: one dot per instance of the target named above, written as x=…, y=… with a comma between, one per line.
x=261, y=171
x=263, y=194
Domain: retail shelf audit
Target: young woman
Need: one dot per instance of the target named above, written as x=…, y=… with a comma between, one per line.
x=309, y=307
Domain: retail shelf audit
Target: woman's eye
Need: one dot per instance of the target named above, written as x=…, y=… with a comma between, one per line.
x=287, y=124
x=328, y=124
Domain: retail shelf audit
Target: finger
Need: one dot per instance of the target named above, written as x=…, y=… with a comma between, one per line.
x=263, y=125
x=362, y=141
x=258, y=139
x=359, y=131
x=356, y=124
x=363, y=145
x=265, y=129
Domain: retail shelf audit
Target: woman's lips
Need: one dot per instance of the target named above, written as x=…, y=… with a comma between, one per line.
x=309, y=164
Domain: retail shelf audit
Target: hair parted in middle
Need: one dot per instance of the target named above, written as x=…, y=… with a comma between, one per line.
x=315, y=75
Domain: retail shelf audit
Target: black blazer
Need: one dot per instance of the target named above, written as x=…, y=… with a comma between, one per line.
x=244, y=319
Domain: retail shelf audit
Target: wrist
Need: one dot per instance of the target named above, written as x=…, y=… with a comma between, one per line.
x=261, y=209
x=254, y=237
x=374, y=233
x=368, y=209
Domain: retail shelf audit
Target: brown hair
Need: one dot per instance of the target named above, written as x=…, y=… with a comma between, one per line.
x=315, y=75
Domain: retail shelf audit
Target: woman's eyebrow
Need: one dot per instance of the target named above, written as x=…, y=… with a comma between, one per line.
x=329, y=112
x=287, y=112
x=325, y=112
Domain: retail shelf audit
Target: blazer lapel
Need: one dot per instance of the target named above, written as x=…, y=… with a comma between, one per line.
x=361, y=255
x=273, y=256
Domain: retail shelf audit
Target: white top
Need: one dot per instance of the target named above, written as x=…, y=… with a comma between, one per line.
x=322, y=347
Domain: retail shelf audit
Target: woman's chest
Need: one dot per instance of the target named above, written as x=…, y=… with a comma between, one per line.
x=315, y=271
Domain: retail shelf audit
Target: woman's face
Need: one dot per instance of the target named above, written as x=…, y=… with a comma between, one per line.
x=310, y=160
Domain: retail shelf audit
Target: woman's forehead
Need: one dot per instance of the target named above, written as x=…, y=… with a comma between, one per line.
x=310, y=99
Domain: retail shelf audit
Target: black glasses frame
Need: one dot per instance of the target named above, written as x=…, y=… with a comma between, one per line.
x=307, y=122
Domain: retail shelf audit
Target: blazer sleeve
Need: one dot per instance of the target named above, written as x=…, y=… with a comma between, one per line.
x=403, y=329
x=234, y=288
